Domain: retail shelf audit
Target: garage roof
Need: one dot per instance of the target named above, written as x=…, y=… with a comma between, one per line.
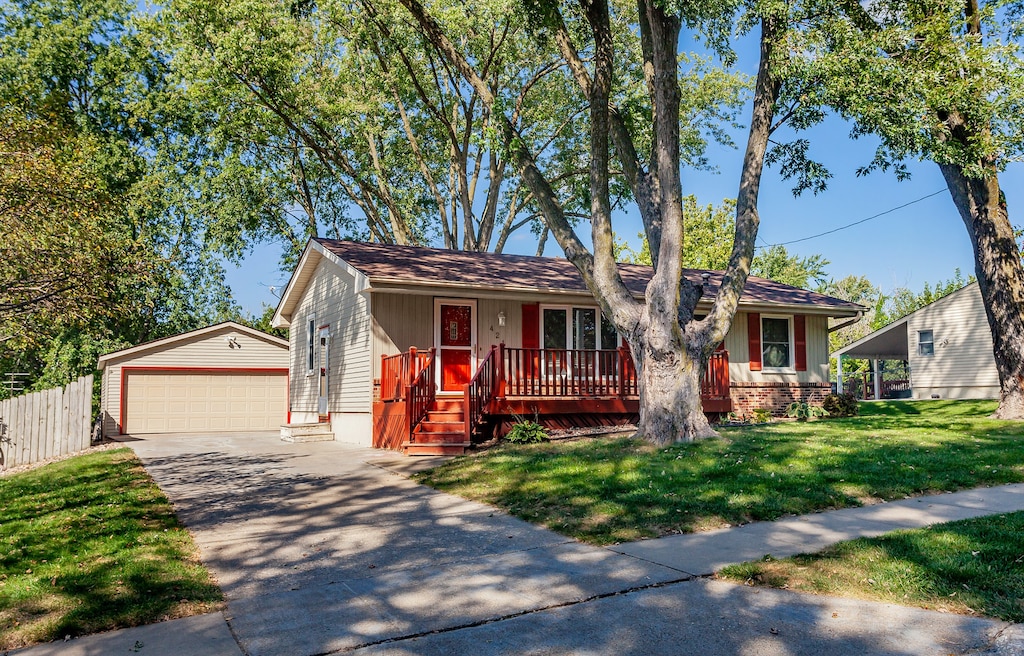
x=167, y=341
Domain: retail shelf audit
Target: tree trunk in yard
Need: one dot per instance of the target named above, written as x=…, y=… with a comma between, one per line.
x=997, y=265
x=670, y=404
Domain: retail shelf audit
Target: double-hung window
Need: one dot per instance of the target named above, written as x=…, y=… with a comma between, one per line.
x=925, y=342
x=776, y=342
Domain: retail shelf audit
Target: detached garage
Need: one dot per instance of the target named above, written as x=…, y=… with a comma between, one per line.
x=226, y=377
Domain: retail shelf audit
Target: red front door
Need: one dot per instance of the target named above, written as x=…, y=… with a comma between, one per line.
x=456, y=348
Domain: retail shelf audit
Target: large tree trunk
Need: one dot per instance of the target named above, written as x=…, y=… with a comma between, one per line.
x=1000, y=276
x=670, y=403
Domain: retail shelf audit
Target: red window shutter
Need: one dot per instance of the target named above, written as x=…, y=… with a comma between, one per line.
x=754, y=340
x=800, y=337
x=531, y=325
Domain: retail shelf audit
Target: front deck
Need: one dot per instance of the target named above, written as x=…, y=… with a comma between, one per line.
x=558, y=388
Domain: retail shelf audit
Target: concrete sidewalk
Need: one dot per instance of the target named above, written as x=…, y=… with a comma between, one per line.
x=322, y=548
x=701, y=554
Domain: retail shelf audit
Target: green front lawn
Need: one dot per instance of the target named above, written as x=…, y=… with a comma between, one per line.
x=613, y=490
x=974, y=566
x=91, y=544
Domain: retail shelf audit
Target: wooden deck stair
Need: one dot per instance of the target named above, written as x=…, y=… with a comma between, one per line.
x=442, y=432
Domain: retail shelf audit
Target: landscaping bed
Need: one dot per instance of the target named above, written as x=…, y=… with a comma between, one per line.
x=607, y=490
x=973, y=567
x=90, y=544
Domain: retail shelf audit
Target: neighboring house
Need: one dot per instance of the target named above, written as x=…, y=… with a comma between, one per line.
x=947, y=345
x=523, y=332
x=226, y=377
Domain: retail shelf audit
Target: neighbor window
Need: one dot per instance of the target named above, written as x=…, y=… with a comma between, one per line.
x=776, y=347
x=310, y=345
x=925, y=342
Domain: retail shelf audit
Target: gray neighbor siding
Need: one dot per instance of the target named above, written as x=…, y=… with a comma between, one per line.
x=962, y=365
x=330, y=300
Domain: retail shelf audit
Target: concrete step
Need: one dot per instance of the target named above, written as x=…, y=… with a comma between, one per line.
x=447, y=449
x=299, y=433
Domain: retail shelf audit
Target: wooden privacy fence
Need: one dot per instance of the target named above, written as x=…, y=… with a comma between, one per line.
x=45, y=424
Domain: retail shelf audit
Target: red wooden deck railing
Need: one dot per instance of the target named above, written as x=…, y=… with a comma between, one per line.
x=568, y=372
x=590, y=374
x=528, y=373
x=715, y=382
x=420, y=394
x=398, y=371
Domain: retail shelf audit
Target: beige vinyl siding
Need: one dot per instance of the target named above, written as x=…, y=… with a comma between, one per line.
x=400, y=321
x=209, y=350
x=489, y=332
x=817, y=353
x=404, y=320
x=963, y=365
x=331, y=297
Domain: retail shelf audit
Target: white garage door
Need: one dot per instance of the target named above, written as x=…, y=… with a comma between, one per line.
x=183, y=402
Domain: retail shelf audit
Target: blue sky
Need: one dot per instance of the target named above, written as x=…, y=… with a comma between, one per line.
x=924, y=242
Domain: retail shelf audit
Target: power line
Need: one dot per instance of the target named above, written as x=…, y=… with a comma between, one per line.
x=850, y=225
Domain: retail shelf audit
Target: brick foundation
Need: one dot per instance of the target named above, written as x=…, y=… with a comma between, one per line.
x=747, y=397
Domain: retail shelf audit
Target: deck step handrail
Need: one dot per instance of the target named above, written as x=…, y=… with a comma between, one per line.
x=421, y=393
x=482, y=388
x=399, y=371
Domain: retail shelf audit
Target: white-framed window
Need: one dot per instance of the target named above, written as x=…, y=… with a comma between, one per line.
x=577, y=328
x=311, y=345
x=925, y=342
x=567, y=327
x=776, y=342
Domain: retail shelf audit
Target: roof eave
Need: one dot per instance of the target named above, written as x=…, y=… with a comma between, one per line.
x=871, y=336
x=311, y=256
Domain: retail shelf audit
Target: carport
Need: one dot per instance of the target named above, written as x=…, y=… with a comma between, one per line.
x=225, y=377
x=888, y=343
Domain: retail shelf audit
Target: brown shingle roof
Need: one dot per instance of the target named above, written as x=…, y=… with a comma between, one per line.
x=414, y=265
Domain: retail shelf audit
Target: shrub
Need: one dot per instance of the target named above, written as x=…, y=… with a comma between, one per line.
x=841, y=405
x=803, y=411
x=527, y=432
x=762, y=415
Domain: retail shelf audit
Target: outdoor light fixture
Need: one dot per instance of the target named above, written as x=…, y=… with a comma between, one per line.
x=501, y=318
x=232, y=341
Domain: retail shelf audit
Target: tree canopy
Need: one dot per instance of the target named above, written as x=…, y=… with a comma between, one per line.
x=707, y=244
x=92, y=259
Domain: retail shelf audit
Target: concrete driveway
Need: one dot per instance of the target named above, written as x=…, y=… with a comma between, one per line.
x=323, y=547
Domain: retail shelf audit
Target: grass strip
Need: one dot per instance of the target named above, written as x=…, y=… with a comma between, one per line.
x=972, y=566
x=90, y=544
x=604, y=491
